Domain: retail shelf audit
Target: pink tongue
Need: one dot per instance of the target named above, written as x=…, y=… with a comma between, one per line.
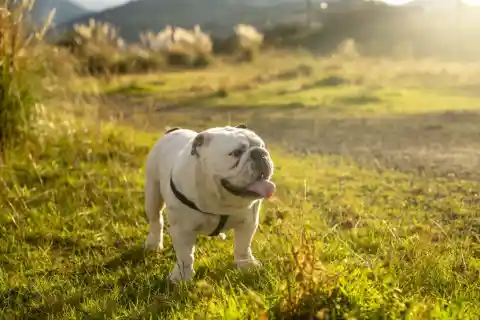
x=264, y=188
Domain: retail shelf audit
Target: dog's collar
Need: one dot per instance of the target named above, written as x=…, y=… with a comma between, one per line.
x=183, y=199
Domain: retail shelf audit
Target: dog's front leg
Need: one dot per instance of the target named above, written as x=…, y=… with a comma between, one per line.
x=243, y=239
x=184, y=246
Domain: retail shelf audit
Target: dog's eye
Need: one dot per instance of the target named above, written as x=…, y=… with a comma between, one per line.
x=237, y=152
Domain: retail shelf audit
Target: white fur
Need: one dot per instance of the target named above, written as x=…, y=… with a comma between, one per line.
x=198, y=179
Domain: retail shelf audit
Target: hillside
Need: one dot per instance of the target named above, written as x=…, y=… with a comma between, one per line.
x=215, y=16
x=65, y=11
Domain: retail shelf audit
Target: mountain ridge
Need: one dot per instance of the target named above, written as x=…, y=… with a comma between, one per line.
x=65, y=11
x=217, y=17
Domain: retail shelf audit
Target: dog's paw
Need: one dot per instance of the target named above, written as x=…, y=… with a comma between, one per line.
x=181, y=274
x=247, y=264
x=153, y=245
x=222, y=236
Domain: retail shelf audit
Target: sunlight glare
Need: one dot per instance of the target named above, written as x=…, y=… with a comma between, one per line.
x=396, y=2
x=472, y=2
x=402, y=2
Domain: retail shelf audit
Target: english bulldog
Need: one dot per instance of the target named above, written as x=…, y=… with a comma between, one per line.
x=208, y=182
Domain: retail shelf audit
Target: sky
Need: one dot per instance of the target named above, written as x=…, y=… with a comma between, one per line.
x=100, y=4
x=103, y=4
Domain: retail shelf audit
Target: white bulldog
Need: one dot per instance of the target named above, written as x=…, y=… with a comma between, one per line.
x=208, y=182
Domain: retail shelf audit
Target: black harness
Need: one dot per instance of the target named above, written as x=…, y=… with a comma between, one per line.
x=193, y=206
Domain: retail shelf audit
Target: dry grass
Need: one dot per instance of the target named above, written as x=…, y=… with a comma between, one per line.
x=248, y=42
x=17, y=74
x=101, y=51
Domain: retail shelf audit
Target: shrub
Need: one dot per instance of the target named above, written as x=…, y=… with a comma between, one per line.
x=101, y=51
x=95, y=44
x=248, y=41
x=348, y=49
x=132, y=62
x=180, y=46
x=17, y=77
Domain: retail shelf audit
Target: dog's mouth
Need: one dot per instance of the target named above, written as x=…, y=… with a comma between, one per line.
x=260, y=188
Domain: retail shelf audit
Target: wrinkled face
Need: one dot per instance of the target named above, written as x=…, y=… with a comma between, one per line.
x=238, y=160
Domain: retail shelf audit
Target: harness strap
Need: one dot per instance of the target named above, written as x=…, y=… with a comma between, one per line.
x=193, y=206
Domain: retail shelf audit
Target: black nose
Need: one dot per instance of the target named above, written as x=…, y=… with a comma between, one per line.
x=261, y=161
x=258, y=154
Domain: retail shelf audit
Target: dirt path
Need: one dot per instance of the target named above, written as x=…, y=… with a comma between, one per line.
x=441, y=144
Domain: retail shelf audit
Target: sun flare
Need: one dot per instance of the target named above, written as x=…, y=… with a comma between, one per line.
x=397, y=2
x=402, y=2
x=472, y=2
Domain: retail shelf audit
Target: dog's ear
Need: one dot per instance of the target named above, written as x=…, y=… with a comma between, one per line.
x=172, y=129
x=242, y=126
x=200, y=140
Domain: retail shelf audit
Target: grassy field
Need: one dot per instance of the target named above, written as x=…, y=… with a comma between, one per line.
x=377, y=214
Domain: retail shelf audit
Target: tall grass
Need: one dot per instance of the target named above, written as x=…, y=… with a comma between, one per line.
x=248, y=41
x=100, y=51
x=17, y=80
x=180, y=46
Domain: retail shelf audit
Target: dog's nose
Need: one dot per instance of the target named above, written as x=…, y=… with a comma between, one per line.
x=261, y=161
x=258, y=154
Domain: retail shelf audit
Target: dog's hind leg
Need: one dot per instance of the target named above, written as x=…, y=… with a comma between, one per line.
x=154, y=205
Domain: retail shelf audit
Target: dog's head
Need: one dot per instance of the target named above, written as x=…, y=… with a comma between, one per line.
x=237, y=160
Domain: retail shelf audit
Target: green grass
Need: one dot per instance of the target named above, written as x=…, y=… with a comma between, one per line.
x=387, y=243
x=371, y=239
x=322, y=85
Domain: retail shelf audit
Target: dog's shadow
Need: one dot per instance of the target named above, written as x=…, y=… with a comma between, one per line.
x=131, y=257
